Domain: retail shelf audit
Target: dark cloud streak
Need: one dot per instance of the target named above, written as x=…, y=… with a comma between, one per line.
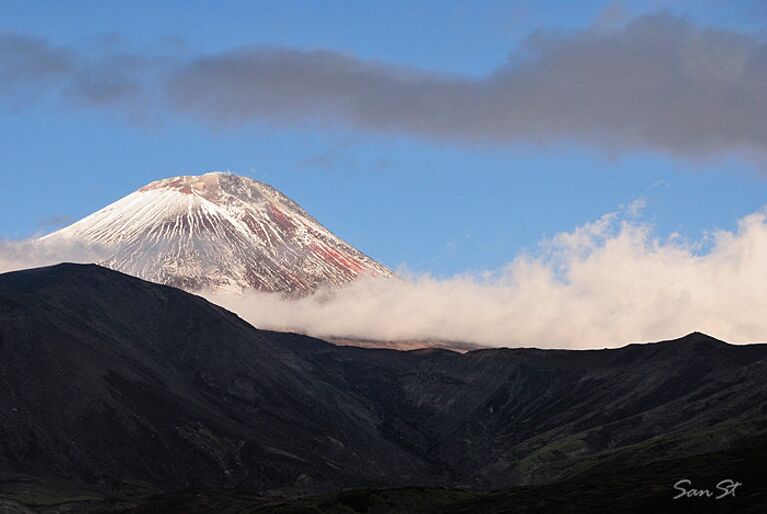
x=659, y=82
x=25, y=59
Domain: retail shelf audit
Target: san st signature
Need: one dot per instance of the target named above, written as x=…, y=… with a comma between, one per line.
x=723, y=489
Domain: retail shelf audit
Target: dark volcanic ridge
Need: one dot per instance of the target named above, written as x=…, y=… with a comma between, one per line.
x=127, y=388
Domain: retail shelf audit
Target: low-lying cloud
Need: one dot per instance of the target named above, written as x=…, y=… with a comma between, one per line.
x=659, y=82
x=603, y=285
x=16, y=255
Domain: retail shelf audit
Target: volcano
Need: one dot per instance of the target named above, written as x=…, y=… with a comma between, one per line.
x=219, y=231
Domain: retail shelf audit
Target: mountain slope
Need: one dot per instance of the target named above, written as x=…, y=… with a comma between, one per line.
x=218, y=230
x=641, y=489
x=122, y=386
x=495, y=417
x=109, y=380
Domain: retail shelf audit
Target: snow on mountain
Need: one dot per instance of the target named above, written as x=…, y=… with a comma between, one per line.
x=220, y=231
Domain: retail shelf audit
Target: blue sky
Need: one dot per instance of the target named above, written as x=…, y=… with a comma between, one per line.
x=430, y=203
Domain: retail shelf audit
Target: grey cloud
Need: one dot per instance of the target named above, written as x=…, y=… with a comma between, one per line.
x=104, y=77
x=28, y=66
x=612, y=15
x=328, y=161
x=331, y=158
x=659, y=82
x=31, y=59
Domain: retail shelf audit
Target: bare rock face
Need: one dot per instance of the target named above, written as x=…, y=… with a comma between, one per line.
x=219, y=231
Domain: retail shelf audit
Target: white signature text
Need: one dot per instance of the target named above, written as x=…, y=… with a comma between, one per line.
x=723, y=489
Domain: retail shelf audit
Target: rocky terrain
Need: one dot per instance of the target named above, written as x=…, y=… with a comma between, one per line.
x=117, y=393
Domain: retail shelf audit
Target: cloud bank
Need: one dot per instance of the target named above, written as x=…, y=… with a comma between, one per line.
x=658, y=82
x=605, y=284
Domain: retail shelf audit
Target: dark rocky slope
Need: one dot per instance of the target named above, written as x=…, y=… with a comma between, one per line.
x=107, y=379
x=491, y=418
x=113, y=389
x=641, y=489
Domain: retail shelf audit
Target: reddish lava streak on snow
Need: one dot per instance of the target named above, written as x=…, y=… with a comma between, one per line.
x=280, y=219
x=333, y=257
x=179, y=184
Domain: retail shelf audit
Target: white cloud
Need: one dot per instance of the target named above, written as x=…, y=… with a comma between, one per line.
x=607, y=283
x=15, y=255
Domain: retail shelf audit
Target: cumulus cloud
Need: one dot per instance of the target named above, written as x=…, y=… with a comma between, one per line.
x=657, y=82
x=604, y=284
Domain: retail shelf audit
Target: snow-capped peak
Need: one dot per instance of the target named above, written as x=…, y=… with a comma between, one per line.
x=219, y=230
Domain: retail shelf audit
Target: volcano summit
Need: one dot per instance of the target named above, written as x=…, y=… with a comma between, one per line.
x=219, y=231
